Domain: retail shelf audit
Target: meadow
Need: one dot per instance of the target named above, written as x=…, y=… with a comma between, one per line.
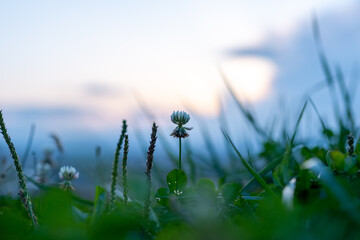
x=302, y=191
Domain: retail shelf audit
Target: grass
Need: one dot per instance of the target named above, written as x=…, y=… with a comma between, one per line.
x=303, y=191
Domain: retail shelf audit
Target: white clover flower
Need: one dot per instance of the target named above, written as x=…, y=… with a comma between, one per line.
x=68, y=173
x=178, y=192
x=180, y=118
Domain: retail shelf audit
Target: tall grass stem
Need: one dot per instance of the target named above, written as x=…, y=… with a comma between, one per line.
x=23, y=192
x=149, y=165
x=116, y=163
x=124, y=169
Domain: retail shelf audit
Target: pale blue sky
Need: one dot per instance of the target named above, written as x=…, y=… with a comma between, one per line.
x=74, y=65
x=52, y=50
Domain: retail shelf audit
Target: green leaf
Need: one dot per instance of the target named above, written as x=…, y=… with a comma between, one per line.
x=99, y=204
x=176, y=180
x=206, y=191
x=162, y=196
x=336, y=160
x=79, y=215
x=206, y=183
x=230, y=191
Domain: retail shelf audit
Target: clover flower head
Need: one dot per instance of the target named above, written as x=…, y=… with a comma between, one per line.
x=180, y=118
x=68, y=173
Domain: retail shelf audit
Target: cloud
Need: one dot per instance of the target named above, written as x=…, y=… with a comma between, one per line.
x=48, y=112
x=296, y=56
x=100, y=89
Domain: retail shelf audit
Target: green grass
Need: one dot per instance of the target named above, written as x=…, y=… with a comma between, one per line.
x=304, y=191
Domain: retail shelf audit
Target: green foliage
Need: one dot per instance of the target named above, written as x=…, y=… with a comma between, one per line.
x=301, y=190
x=99, y=204
x=176, y=180
x=230, y=192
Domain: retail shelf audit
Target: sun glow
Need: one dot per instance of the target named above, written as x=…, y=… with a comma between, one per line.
x=251, y=77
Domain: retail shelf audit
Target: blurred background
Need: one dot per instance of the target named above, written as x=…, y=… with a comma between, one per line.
x=78, y=68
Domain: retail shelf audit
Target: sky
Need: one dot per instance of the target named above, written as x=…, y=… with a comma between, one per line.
x=79, y=67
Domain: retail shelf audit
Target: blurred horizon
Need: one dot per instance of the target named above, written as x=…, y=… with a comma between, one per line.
x=79, y=68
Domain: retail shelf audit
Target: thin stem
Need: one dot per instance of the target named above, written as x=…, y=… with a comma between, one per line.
x=180, y=153
x=149, y=165
x=23, y=192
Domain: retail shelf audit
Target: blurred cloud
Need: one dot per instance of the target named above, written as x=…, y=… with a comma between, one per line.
x=251, y=77
x=75, y=64
x=296, y=55
x=100, y=89
x=49, y=112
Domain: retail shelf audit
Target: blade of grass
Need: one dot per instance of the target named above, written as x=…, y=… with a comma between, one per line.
x=264, y=171
x=326, y=68
x=346, y=97
x=249, y=168
x=224, y=124
x=325, y=129
x=298, y=123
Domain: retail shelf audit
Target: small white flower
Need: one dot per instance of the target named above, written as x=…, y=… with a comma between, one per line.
x=68, y=173
x=178, y=192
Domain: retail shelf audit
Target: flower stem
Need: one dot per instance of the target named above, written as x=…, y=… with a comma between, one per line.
x=180, y=153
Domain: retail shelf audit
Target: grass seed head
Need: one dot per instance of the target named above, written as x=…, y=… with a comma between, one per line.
x=350, y=143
